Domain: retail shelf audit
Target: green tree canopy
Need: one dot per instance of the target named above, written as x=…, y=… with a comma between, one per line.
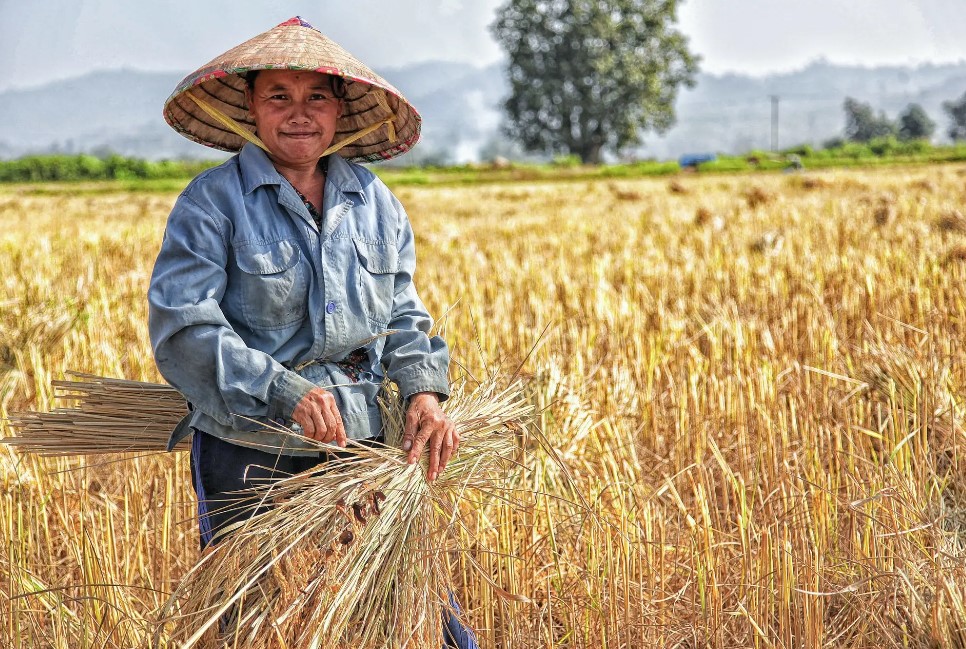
x=915, y=124
x=591, y=75
x=956, y=110
x=862, y=124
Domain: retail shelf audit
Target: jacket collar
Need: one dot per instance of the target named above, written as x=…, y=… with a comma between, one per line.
x=257, y=170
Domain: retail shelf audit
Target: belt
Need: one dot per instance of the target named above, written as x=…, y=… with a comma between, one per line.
x=360, y=346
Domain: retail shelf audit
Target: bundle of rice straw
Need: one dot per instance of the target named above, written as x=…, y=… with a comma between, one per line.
x=353, y=553
x=106, y=416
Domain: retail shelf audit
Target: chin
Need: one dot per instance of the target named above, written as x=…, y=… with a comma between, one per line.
x=299, y=157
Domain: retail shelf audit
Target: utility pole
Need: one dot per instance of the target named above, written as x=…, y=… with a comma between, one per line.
x=774, y=122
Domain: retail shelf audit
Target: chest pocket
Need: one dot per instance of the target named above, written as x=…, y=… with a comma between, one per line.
x=378, y=264
x=273, y=284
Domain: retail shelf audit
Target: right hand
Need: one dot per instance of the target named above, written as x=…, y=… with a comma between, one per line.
x=320, y=418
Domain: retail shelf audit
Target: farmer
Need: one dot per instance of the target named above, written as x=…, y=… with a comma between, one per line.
x=283, y=291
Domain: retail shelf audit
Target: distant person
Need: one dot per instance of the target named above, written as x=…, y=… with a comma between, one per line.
x=283, y=291
x=794, y=163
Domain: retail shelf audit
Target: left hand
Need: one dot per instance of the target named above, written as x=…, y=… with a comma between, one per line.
x=426, y=422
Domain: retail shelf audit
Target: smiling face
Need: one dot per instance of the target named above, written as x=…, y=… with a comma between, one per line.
x=295, y=114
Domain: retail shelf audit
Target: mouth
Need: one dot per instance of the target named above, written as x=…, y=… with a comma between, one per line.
x=301, y=135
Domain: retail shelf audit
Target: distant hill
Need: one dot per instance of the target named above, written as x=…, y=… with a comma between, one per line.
x=732, y=113
x=117, y=110
x=120, y=110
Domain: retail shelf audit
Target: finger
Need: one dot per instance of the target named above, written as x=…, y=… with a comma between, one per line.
x=448, y=448
x=330, y=422
x=435, y=446
x=319, y=422
x=419, y=443
x=304, y=419
x=409, y=432
x=339, y=435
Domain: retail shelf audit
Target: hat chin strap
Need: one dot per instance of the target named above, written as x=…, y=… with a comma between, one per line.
x=243, y=132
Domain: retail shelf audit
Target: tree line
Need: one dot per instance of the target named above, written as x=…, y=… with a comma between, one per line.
x=864, y=124
x=46, y=168
x=589, y=76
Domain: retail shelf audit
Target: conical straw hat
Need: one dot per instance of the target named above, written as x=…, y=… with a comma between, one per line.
x=209, y=105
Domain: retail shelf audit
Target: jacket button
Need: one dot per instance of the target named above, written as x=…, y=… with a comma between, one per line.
x=330, y=308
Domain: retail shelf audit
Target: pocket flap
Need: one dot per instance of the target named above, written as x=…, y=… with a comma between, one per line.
x=267, y=258
x=377, y=258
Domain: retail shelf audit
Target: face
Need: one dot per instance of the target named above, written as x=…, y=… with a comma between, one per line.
x=295, y=114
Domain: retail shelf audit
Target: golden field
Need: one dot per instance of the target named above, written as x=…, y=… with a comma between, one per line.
x=755, y=382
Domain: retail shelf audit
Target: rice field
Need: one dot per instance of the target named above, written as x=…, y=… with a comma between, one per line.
x=754, y=389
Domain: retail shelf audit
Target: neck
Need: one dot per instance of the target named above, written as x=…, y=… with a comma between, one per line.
x=299, y=175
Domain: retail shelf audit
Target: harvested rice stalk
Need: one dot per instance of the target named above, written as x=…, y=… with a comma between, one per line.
x=107, y=416
x=355, y=553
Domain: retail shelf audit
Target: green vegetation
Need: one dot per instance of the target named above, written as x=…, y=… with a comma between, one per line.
x=887, y=151
x=956, y=110
x=915, y=124
x=863, y=124
x=42, y=168
x=89, y=175
x=588, y=77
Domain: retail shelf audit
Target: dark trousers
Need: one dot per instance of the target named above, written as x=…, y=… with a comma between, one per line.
x=219, y=470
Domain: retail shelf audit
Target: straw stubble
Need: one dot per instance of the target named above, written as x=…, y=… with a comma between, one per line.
x=770, y=441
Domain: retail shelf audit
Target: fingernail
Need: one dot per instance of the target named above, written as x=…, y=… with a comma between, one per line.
x=407, y=445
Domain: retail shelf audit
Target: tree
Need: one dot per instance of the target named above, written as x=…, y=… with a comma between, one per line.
x=863, y=125
x=590, y=75
x=956, y=110
x=915, y=124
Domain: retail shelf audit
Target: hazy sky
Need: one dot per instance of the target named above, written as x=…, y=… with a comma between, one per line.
x=41, y=41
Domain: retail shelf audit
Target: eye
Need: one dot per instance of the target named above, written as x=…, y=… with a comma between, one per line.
x=320, y=97
x=278, y=97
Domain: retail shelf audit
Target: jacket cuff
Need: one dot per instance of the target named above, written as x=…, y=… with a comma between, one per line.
x=287, y=391
x=422, y=380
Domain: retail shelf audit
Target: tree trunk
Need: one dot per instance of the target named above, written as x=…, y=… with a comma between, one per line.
x=592, y=144
x=589, y=153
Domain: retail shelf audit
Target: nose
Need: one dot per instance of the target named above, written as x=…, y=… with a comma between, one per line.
x=299, y=114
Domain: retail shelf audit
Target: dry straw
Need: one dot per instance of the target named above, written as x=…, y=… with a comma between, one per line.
x=106, y=416
x=356, y=553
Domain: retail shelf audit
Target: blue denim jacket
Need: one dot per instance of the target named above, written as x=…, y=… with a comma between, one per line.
x=247, y=292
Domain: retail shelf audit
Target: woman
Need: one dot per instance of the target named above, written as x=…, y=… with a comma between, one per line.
x=283, y=290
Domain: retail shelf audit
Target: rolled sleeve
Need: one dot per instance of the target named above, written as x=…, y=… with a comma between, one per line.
x=414, y=382
x=287, y=391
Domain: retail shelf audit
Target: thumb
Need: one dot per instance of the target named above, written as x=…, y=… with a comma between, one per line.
x=409, y=432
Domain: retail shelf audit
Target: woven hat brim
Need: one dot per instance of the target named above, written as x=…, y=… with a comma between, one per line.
x=293, y=47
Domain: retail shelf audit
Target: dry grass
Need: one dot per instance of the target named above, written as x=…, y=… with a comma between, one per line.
x=677, y=187
x=357, y=555
x=624, y=194
x=768, y=446
x=813, y=182
x=952, y=221
x=757, y=196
